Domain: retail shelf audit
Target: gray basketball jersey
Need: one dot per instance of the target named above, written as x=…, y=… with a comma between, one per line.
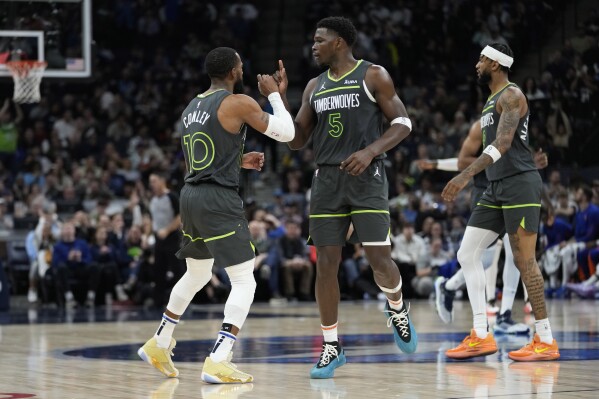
x=212, y=154
x=518, y=158
x=348, y=120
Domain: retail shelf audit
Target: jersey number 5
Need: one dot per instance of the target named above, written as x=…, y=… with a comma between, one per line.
x=200, y=150
x=336, y=126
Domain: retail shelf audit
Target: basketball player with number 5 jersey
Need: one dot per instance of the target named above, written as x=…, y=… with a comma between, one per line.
x=342, y=110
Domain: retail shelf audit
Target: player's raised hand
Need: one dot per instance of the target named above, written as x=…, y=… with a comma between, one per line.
x=281, y=78
x=267, y=85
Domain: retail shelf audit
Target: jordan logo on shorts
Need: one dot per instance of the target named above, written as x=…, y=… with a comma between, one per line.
x=376, y=172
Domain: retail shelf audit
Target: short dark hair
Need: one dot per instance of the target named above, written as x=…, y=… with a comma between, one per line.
x=220, y=61
x=588, y=192
x=343, y=26
x=505, y=49
x=161, y=174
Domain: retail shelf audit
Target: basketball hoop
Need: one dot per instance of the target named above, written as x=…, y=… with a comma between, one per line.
x=27, y=76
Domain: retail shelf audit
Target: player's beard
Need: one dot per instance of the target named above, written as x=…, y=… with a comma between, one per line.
x=484, y=78
x=238, y=87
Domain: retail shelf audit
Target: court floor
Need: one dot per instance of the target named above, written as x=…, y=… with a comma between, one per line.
x=85, y=353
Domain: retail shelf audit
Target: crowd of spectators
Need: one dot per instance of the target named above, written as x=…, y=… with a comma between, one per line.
x=77, y=168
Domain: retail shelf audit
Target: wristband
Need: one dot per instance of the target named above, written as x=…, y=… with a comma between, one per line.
x=492, y=152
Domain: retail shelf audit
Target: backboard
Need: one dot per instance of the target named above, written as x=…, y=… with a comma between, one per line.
x=56, y=31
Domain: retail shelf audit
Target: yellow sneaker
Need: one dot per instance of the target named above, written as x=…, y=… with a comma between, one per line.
x=159, y=357
x=224, y=372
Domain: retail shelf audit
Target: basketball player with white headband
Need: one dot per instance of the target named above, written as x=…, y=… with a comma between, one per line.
x=511, y=203
x=445, y=289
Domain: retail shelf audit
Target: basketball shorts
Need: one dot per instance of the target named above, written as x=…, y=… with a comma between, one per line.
x=475, y=195
x=510, y=203
x=214, y=225
x=338, y=199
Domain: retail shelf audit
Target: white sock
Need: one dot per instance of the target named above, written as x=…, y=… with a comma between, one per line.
x=164, y=333
x=396, y=305
x=511, y=278
x=480, y=325
x=330, y=332
x=69, y=296
x=223, y=346
x=544, y=330
x=456, y=281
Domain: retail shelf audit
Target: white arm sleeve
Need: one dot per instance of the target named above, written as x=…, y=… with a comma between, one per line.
x=449, y=164
x=280, y=125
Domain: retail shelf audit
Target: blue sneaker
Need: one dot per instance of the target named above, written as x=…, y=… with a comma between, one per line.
x=506, y=325
x=561, y=293
x=403, y=330
x=331, y=357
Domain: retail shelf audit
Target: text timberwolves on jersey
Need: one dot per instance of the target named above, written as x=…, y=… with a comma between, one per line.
x=348, y=118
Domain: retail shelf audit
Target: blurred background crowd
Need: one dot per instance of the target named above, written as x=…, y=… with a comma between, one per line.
x=90, y=175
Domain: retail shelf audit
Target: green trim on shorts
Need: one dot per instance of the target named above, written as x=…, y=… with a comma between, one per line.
x=369, y=211
x=510, y=206
x=253, y=246
x=522, y=223
x=329, y=215
x=219, y=237
x=190, y=237
x=339, y=215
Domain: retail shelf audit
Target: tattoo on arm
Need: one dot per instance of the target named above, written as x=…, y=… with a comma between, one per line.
x=508, y=121
x=478, y=165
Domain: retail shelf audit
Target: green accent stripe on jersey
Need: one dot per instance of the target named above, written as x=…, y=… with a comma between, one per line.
x=190, y=237
x=337, y=88
x=206, y=95
x=508, y=83
x=510, y=206
x=337, y=80
x=489, y=107
x=219, y=237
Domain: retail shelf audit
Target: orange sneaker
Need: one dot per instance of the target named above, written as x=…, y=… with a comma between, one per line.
x=536, y=351
x=473, y=346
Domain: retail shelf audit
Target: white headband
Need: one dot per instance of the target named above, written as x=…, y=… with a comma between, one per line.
x=498, y=56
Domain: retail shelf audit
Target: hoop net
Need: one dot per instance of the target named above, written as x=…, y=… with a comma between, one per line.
x=27, y=76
